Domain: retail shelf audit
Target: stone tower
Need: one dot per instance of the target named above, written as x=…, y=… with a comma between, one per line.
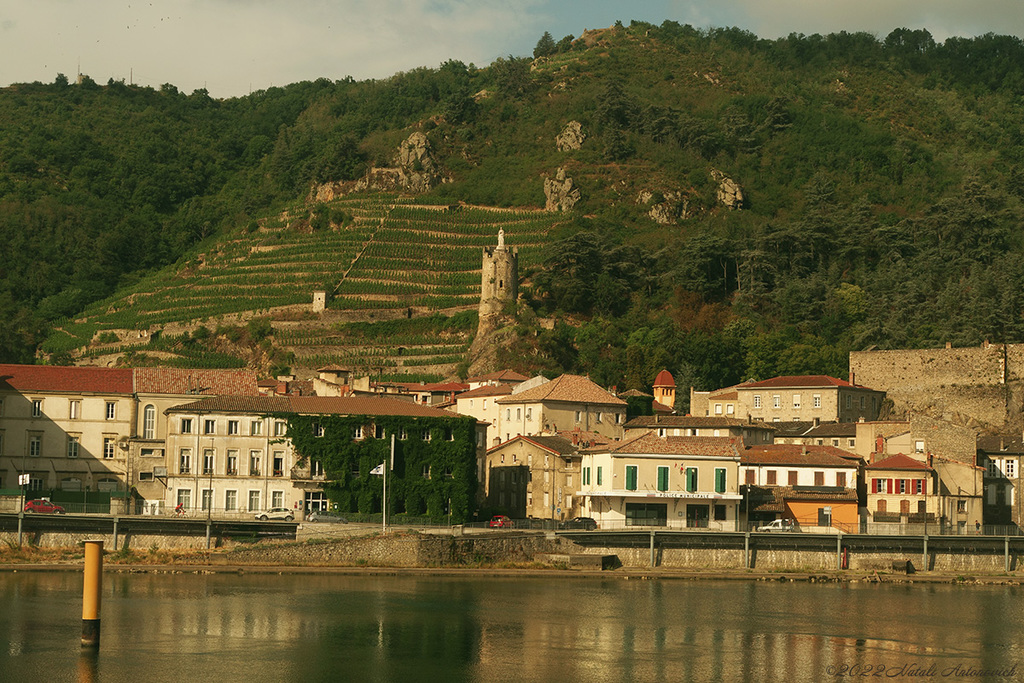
x=499, y=279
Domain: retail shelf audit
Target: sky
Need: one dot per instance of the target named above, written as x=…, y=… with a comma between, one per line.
x=233, y=47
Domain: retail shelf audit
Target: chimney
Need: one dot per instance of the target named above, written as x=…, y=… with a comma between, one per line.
x=817, y=421
x=879, y=443
x=852, y=377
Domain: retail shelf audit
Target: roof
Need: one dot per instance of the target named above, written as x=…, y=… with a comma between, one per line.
x=631, y=393
x=994, y=443
x=487, y=390
x=799, y=381
x=499, y=376
x=26, y=378
x=773, y=498
x=186, y=381
x=795, y=454
x=312, y=405
x=566, y=388
x=899, y=462
x=583, y=437
x=652, y=444
x=792, y=428
x=833, y=429
x=553, y=444
x=652, y=421
x=333, y=368
x=664, y=379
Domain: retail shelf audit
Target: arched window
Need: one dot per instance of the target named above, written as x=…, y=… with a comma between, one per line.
x=149, y=422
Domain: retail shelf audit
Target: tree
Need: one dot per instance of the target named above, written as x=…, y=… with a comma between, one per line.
x=545, y=46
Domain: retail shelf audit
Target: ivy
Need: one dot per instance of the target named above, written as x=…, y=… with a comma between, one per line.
x=442, y=448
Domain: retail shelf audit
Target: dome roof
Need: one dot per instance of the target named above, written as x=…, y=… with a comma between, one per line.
x=664, y=379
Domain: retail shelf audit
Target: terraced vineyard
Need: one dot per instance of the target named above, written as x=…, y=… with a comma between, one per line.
x=391, y=259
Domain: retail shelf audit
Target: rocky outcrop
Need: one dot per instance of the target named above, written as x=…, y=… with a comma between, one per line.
x=560, y=192
x=571, y=138
x=667, y=208
x=730, y=194
x=415, y=171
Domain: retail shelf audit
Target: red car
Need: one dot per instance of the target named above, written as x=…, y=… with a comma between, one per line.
x=45, y=506
x=500, y=522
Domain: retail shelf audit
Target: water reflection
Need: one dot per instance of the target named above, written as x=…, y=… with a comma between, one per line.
x=288, y=628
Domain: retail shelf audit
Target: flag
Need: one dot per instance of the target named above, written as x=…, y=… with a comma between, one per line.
x=378, y=470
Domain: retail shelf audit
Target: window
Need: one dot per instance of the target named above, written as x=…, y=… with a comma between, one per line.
x=186, y=425
x=618, y=418
x=280, y=428
x=232, y=462
x=586, y=476
x=757, y=401
x=425, y=435
x=378, y=431
x=835, y=442
x=919, y=446
x=73, y=443
x=776, y=401
x=819, y=478
x=631, y=477
x=508, y=414
x=579, y=416
x=425, y=471
x=254, y=501
x=519, y=413
x=750, y=477
x=718, y=409
x=599, y=477
x=316, y=469
x=662, y=478
x=109, y=444
x=792, y=477
x=232, y=427
x=209, y=426
x=851, y=443
x=862, y=403
x=35, y=445
x=206, y=499
x=37, y=407
x=961, y=506
x=730, y=409
x=74, y=409
x=151, y=452
x=318, y=429
x=256, y=428
x=719, y=480
x=817, y=400
x=254, y=463
x=185, y=498
x=111, y=410
x=149, y=422
x=598, y=418
x=772, y=477
x=796, y=401
x=404, y=434
x=185, y=461
x=357, y=433
x=1010, y=467
x=529, y=414
x=691, y=479
x=720, y=513
x=841, y=479
x=278, y=464
x=277, y=499
x=847, y=401
x=208, y=459
x=485, y=404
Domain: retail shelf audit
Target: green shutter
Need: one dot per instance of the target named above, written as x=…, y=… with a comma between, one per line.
x=663, y=479
x=599, y=477
x=719, y=480
x=691, y=479
x=631, y=477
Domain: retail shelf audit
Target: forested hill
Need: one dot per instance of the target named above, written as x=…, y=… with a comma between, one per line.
x=882, y=182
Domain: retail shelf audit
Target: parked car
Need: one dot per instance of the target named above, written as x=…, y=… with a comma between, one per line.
x=43, y=506
x=585, y=523
x=778, y=525
x=500, y=522
x=276, y=513
x=325, y=516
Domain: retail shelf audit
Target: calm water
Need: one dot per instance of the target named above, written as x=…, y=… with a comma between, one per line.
x=186, y=628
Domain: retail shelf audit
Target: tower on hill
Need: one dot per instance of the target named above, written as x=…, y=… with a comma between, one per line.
x=499, y=279
x=665, y=389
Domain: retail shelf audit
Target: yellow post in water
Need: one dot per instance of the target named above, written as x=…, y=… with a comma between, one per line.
x=91, y=594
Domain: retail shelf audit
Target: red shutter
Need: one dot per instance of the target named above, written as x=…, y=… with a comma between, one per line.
x=888, y=485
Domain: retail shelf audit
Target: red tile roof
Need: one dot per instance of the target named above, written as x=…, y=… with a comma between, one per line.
x=652, y=444
x=898, y=462
x=664, y=379
x=487, y=390
x=798, y=381
x=795, y=454
x=568, y=389
x=312, y=405
x=552, y=444
x=183, y=381
x=79, y=380
x=654, y=421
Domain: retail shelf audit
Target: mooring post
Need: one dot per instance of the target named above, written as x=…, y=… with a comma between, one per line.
x=1006, y=553
x=21, y=517
x=208, y=523
x=115, y=533
x=652, y=548
x=924, y=556
x=92, y=588
x=839, y=551
x=746, y=550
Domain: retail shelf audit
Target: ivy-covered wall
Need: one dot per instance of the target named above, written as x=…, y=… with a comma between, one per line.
x=442, y=448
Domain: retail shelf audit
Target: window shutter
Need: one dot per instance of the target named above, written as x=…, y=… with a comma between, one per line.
x=888, y=485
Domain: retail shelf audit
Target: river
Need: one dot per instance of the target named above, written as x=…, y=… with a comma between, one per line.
x=255, y=628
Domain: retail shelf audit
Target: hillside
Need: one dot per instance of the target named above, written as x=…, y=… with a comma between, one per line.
x=746, y=207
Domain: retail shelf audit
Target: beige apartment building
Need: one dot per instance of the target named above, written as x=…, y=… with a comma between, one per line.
x=535, y=477
x=791, y=398
x=566, y=403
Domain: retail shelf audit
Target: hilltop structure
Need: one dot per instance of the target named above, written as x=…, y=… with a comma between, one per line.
x=499, y=286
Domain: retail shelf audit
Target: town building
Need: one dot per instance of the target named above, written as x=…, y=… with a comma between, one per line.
x=791, y=398
x=653, y=480
x=535, y=477
x=1001, y=457
x=565, y=403
x=749, y=432
x=813, y=486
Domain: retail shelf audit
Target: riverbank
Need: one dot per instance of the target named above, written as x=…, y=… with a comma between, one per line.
x=369, y=556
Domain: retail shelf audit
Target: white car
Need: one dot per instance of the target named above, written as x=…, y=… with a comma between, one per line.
x=276, y=513
x=778, y=525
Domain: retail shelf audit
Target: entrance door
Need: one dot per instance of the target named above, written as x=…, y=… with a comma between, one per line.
x=697, y=516
x=315, y=501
